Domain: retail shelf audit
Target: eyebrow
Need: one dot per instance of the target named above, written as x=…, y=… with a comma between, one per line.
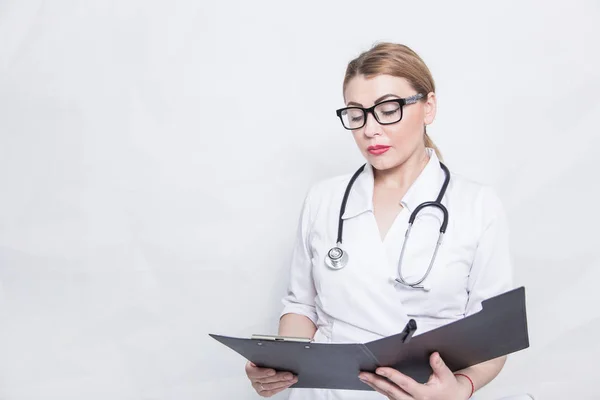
x=385, y=96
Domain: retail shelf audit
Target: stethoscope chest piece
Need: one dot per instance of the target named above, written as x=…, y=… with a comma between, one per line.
x=336, y=258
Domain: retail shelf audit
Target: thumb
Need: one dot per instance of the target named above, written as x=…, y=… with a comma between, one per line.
x=440, y=369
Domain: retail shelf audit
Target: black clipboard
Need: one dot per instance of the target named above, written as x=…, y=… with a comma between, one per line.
x=499, y=329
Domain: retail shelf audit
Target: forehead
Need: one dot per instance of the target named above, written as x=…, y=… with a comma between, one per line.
x=366, y=91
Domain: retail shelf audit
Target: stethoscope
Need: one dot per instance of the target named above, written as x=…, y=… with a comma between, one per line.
x=337, y=258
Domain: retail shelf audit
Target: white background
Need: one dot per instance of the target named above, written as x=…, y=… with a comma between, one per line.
x=154, y=157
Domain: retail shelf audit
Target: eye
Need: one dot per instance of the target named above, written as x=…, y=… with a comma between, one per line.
x=388, y=107
x=390, y=113
x=388, y=110
x=355, y=115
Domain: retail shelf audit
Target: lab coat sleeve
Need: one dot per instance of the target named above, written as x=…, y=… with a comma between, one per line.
x=491, y=271
x=301, y=292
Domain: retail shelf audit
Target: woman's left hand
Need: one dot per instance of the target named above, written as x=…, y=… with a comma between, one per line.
x=442, y=384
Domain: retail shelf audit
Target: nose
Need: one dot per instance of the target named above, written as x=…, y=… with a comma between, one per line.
x=372, y=127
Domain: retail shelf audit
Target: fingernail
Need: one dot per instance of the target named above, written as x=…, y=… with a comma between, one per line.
x=289, y=377
x=363, y=378
x=271, y=373
x=382, y=372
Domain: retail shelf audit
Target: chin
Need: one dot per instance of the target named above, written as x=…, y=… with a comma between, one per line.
x=381, y=164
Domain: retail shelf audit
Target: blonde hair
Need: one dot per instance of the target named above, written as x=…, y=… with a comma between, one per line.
x=395, y=60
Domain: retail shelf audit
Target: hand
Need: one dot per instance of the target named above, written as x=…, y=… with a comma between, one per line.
x=268, y=382
x=442, y=384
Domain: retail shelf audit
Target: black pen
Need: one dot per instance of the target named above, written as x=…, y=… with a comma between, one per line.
x=409, y=330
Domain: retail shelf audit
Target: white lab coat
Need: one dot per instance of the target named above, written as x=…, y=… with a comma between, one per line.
x=360, y=303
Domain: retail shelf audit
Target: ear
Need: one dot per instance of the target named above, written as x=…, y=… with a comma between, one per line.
x=430, y=108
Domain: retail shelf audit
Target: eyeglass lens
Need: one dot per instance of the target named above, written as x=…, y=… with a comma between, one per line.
x=385, y=113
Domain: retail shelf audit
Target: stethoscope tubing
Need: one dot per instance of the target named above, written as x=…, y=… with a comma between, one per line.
x=337, y=258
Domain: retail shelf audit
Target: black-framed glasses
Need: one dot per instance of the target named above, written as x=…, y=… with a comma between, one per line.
x=386, y=113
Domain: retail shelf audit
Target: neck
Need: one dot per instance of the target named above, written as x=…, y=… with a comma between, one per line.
x=403, y=175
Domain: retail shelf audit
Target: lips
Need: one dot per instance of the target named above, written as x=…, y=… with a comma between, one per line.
x=378, y=149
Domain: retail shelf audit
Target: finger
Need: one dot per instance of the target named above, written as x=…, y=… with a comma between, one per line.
x=264, y=391
x=270, y=393
x=406, y=383
x=279, y=377
x=439, y=367
x=276, y=385
x=385, y=387
x=257, y=373
x=375, y=388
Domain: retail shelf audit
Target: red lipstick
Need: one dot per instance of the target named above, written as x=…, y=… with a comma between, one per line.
x=378, y=149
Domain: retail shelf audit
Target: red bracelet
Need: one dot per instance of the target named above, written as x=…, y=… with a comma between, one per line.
x=472, y=385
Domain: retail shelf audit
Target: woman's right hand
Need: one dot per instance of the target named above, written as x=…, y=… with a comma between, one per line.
x=268, y=382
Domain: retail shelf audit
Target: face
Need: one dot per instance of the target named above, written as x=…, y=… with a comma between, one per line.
x=404, y=138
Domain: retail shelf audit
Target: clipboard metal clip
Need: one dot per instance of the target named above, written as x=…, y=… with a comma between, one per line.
x=277, y=338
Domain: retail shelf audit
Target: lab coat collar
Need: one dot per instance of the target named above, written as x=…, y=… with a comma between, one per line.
x=428, y=184
x=425, y=188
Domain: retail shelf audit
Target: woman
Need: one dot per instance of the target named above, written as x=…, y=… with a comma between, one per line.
x=390, y=99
